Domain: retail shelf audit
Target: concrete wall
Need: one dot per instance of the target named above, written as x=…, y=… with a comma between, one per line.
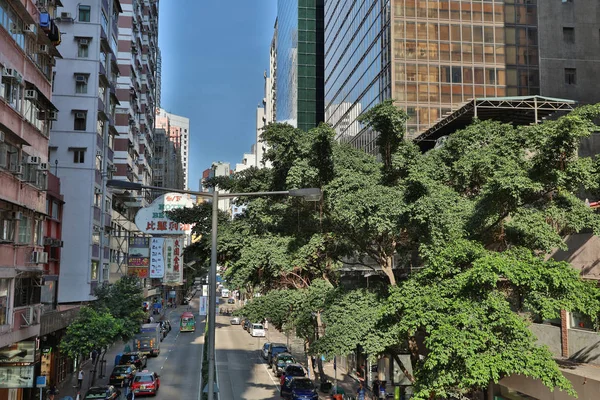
x=548, y=335
x=584, y=346
x=583, y=254
x=586, y=388
x=556, y=54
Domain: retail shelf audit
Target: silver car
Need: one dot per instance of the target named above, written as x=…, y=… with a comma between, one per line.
x=235, y=321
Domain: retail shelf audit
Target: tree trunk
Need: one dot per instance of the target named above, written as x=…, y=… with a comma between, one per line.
x=387, y=265
x=403, y=369
x=320, y=333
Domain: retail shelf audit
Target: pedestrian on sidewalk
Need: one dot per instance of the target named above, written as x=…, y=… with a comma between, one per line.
x=78, y=397
x=94, y=355
x=52, y=392
x=361, y=392
x=80, y=378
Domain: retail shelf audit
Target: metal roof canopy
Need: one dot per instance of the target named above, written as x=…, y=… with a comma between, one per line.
x=519, y=110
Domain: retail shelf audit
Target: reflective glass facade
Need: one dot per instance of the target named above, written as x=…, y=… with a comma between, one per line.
x=300, y=62
x=443, y=53
x=357, y=65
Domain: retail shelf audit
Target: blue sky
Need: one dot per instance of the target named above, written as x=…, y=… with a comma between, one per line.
x=214, y=54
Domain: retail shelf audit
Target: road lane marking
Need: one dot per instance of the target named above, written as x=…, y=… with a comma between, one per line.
x=264, y=364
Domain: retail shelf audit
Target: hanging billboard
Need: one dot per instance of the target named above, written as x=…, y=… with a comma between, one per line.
x=157, y=261
x=138, y=259
x=173, y=262
x=154, y=221
x=16, y=377
x=20, y=352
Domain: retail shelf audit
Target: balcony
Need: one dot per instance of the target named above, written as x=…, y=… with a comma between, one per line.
x=25, y=324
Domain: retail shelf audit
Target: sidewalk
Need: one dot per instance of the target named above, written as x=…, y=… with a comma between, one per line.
x=69, y=386
x=296, y=347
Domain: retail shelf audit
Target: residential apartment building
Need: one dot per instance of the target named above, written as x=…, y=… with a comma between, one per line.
x=299, y=53
x=433, y=56
x=29, y=38
x=83, y=139
x=266, y=113
x=178, y=132
x=218, y=168
x=167, y=167
x=136, y=90
x=248, y=160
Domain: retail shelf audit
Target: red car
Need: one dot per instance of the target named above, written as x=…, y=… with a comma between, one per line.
x=145, y=382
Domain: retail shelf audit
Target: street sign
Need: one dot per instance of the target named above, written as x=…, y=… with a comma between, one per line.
x=40, y=381
x=203, y=305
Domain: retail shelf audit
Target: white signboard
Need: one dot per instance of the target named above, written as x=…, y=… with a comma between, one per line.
x=153, y=220
x=203, y=305
x=16, y=377
x=157, y=261
x=204, y=290
x=173, y=255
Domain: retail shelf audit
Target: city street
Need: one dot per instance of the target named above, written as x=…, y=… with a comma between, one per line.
x=241, y=372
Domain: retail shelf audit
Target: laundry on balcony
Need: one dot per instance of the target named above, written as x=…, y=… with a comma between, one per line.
x=45, y=22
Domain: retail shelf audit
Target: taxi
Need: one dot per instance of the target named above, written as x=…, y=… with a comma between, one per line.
x=145, y=382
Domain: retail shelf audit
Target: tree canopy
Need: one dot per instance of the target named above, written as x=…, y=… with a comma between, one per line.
x=459, y=237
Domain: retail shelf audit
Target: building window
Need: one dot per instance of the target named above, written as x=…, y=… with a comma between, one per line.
x=55, y=210
x=94, y=271
x=81, y=84
x=569, y=34
x=570, y=76
x=83, y=50
x=24, y=230
x=7, y=229
x=84, y=13
x=4, y=292
x=105, y=272
x=80, y=121
x=78, y=156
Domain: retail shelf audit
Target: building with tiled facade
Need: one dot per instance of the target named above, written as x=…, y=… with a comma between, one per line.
x=177, y=129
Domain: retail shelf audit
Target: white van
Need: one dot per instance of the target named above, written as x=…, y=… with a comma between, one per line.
x=257, y=330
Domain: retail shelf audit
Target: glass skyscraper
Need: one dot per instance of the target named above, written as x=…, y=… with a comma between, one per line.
x=300, y=62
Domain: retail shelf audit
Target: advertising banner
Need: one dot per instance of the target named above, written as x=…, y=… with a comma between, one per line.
x=173, y=262
x=153, y=220
x=138, y=259
x=157, y=261
x=16, y=377
x=203, y=305
x=20, y=352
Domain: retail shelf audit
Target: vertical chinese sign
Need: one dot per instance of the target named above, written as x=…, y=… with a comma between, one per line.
x=138, y=260
x=173, y=262
x=157, y=261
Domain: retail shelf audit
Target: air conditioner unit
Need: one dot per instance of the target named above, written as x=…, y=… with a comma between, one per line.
x=31, y=94
x=80, y=115
x=14, y=29
x=99, y=153
x=41, y=115
x=16, y=169
x=84, y=42
x=60, y=243
x=48, y=241
x=81, y=78
x=43, y=48
x=43, y=166
x=1, y=137
x=39, y=257
x=33, y=160
x=16, y=215
x=52, y=115
x=9, y=72
x=65, y=15
x=112, y=168
x=97, y=190
x=29, y=29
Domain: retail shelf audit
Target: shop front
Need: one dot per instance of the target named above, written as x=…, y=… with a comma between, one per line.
x=18, y=364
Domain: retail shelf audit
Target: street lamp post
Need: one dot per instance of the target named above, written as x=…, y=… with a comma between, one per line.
x=310, y=194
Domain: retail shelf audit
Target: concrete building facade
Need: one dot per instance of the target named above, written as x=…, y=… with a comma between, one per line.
x=177, y=129
x=166, y=165
x=82, y=141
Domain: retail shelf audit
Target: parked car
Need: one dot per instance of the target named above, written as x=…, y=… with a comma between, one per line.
x=140, y=360
x=102, y=393
x=234, y=321
x=145, y=382
x=299, y=388
x=290, y=371
x=246, y=324
x=265, y=351
x=230, y=301
x=120, y=372
x=280, y=361
x=275, y=349
x=257, y=330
